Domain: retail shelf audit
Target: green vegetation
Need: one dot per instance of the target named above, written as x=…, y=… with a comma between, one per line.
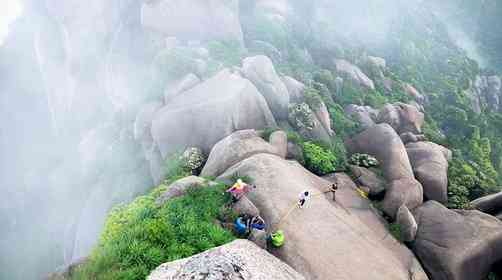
x=317, y=159
x=229, y=53
x=142, y=235
x=395, y=230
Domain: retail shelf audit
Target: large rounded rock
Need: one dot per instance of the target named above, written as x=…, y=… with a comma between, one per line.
x=279, y=139
x=208, y=112
x=407, y=223
x=367, y=178
x=382, y=142
x=240, y=259
x=260, y=70
x=402, y=117
x=178, y=87
x=245, y=207
x=233, y=149
x=295, y=89
x=430, y=166
x=404, y=191
x=325, y=239
x=353, y=73
x=194, y=19
x=364, y=115
x=491, y=204
x=457, y=245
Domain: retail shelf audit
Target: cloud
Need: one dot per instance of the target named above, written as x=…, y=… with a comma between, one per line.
x=9, y=11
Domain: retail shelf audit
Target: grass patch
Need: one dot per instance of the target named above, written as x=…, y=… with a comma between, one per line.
x=142, y=235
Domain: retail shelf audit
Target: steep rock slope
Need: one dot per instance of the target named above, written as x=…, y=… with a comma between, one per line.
x=323, y=240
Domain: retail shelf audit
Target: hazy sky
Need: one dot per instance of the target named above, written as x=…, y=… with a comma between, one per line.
x=9, y=10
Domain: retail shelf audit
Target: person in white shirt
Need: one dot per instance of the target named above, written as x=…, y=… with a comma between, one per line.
x=304, y=196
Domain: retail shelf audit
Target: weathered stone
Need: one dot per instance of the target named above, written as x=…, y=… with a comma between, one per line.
x=402, y=117
x=367, y=178
x=430, y=166
x=295, y=89
x=490, y=204
x=208, y=112
x=235, y=148
x=457, y=245
x=409, y=137
x=295, y=152
x=407, y=224
x=354, y=73
x=240, y=259
x=357, y=250
x=279, y=139
x=178, y=87
x=365, y=115
x=382, y=142
x=407, y=191
x=260, y=70
x=245, y=207
x=258, y=237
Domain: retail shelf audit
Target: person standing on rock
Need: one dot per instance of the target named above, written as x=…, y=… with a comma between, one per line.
x=333, y=189
x=304, y=196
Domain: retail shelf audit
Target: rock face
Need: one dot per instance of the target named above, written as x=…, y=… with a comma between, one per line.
x=354, y=250
x=279, y=139
x=490, y=204
x=240, y=259
x=365, y=115
x=430, y=165
x=457, y=245
x=382, y=142
x=414, y=93
x=367, y=178
x=402, y=117
x=185, y=83
x=486, y=90
x=295, y=89
x=353, y=73
x=193, y=19
x=260, y=70
x=181, y=186
x=324, y=118
x=235, y=148
x=208, y=112
x=408, y=224
x=245, y=207
x=409, y=137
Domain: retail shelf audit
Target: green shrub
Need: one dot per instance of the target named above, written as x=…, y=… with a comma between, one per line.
x=317, y=159
x=142, y=235
x=265, y=133
x=176, y=168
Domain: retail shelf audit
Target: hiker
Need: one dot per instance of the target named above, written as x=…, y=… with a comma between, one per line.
x=277, y=238
x=255, y=223
x=238, y=190
x=333, y=189
x=304, y=196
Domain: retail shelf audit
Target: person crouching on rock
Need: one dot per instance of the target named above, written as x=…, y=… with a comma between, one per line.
x=238, y=190
x=304, y=196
